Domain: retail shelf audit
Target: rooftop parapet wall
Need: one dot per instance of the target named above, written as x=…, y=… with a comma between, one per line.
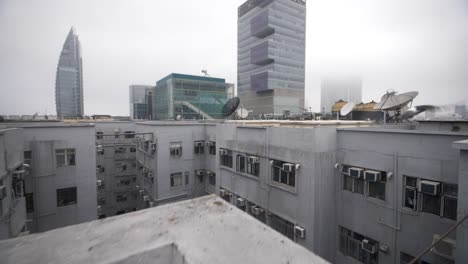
x=205, y=230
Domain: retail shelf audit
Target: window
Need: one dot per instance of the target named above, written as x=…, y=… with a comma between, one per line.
x=351, y=245
x=66, y=197
x=212, y=178
x=99, y=135
x=65, y=157
x=284, y=173
x=212, y=148
x=175, y=149
x=27, y=157
x=186, y=178
x=283, y=226
x=443, y=204
x=355, y=182
x=29, y=202
x=120, y=150
x=132, y=149
x=240, y=163
x=253, y=166
x=120, y=198
x=129, y=134
x=225, y=157
x=377, y=189
x=176, y=179
x=199, y=147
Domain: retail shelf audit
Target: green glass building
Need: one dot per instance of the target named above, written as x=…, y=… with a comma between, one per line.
x=190, y=97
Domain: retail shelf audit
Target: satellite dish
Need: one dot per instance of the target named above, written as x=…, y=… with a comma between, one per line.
x=412, y=112
x=230, y=106
x=392, y=101
x=242, y=113
x=347, y=108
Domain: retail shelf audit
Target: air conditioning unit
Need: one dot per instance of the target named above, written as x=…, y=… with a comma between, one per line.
x=253, y=159
x=99, y=148
x=100, y=183
x=240, y=202
x=429, y=187
x=223, y=192
x=2, y=192
x=223, y=152
x=145, y=198
x=199, y=173
x=373, y=176
x=445, y=248
x=368, y=246
x=256, y=210
x=356, y=172
x=299, y=231
x=289, y=167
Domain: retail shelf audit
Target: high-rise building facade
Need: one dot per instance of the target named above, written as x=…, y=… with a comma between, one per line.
x=69, y=79
x=335, y=89
x=271, y=55
x=190, y=97
x=141, y=101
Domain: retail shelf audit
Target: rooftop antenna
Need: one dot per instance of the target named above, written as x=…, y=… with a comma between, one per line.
x=391, y=101
x=206, y=73
x=230, y=106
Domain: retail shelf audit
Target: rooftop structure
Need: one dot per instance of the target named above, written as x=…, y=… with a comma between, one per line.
x=336, y=89
x=69, y=79
x=271, y=55
x=190, y=97
x=141, y=101
x=205, y=230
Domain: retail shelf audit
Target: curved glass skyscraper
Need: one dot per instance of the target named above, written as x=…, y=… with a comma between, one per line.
x=69, y=80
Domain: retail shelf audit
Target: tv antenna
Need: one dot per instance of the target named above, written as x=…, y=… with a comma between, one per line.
x=206, y=73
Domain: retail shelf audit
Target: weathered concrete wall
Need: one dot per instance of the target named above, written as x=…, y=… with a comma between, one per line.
x=403, y=153
x=46, y=177
x=462, y=231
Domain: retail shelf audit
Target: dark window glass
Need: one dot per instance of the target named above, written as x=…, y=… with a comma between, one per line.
x=431, y=204
x=284, y=177
x=359, y=186
x=377, y=190
x=66, y=197
x=450, y=207
x=411, y=198
x=29, y=202
x=176, y=179
x=212, y=178
x=347, y=183
x=241, y=163
x=276, y=174
x=292, y=179
x=450, y=189
x=412, y=182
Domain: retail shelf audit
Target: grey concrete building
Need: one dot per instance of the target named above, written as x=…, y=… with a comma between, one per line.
x=12, y=173
x=271, y=55
x=60, y=184
x=141, y=101
x=334, y=89
x=69, y=79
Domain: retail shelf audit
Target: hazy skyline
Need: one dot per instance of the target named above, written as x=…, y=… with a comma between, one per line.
x=402, y=45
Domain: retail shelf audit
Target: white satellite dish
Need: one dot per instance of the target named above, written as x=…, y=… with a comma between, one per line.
x=392, y=101
x=346, y=109
x=242, y=113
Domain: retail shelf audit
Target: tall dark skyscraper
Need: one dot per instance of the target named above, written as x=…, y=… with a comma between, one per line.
x=69, y=79
x=271, y=55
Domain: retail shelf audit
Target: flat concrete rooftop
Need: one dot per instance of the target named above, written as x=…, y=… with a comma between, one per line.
x=204, y=230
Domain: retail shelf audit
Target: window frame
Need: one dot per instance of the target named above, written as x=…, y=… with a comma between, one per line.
x=74, y=192
x=173, y=182
x=68, y=155
x=287, y=177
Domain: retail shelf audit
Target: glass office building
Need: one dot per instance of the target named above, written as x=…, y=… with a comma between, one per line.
x=271, y=55
x=141, y=101
x=190, y=97
x=69, y=79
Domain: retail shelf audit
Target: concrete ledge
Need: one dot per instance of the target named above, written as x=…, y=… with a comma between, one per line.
x=204, y=230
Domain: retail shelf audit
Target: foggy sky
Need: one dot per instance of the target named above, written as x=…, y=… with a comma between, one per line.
x=393, y=44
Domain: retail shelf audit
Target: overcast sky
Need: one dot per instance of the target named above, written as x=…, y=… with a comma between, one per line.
x=402, y=45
